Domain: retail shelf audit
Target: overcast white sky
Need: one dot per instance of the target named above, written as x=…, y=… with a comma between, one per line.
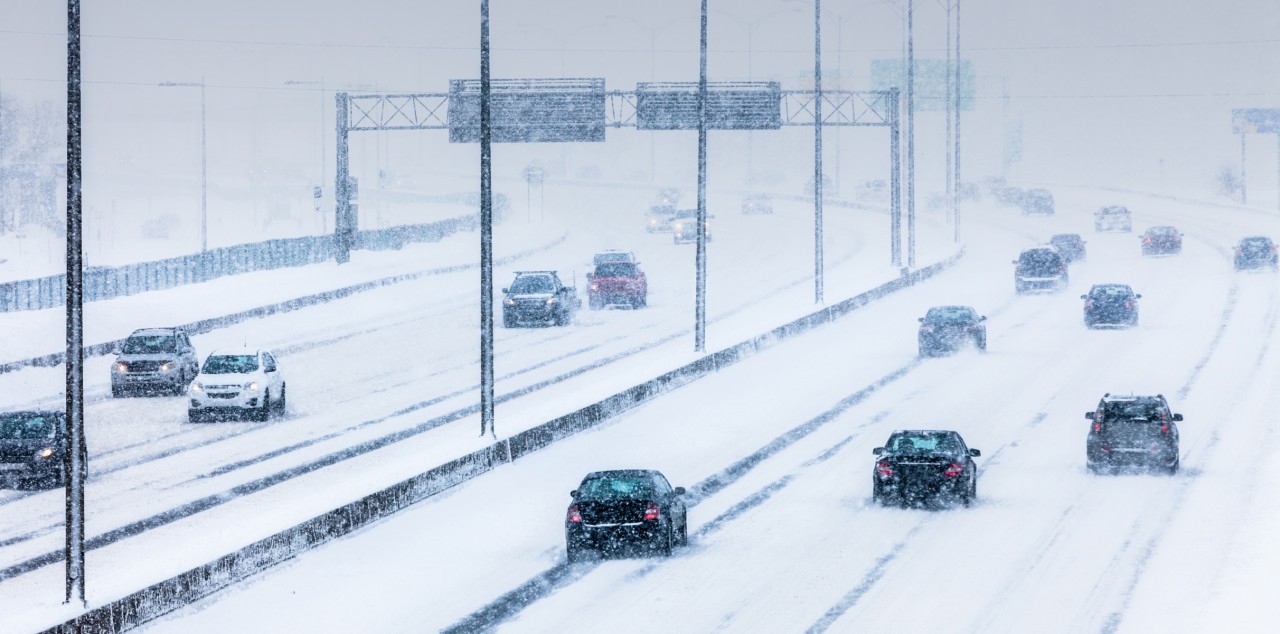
x=1104, y=89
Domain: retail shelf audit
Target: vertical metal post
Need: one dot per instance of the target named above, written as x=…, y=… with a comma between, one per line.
x=950, y=192
x=1244, y=197
x=911, y=137
x=204, y=176
x=956, y=146
x=895, y=177
x=74, y=463
x=817, y=152
x=1277, y=170
x=342, y=178
x=486, y=232
x=700, y=328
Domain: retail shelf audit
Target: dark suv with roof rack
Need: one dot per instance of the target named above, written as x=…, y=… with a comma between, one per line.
x=538, y=297
x=1132, y=431
x=154, y=360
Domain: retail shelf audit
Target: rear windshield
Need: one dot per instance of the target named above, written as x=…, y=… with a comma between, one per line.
x=1111, y=291
x=1132, y=410
x=616, y=488
x=1256, y=243
x=1114, y=211
x=231, y=364
x=150, y=344
x=28, y=426
x=1065, y=239
x=949, y=314
x=1040, y=258
x=616, y=269
x=930, y=443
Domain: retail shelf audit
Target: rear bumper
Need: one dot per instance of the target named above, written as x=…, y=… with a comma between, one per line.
x=580, y=534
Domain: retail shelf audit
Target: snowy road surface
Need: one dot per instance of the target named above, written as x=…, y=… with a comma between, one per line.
x=792, y=542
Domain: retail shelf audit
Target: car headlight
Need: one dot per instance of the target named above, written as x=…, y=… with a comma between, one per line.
x=196, y=387
x=551, y=300
x=679, y=226
x=595, y=287
x=120, y=367
x=166, y=366
x=45, y=453
x=252, y=386
x=511, y=302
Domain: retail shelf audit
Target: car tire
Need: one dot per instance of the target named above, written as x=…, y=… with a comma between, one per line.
x=180, y=387
x=195, y=416
x=981, y=344
x=508, y=321
x=595, y=303
x=281, y=404
x=561, y=318
x=117, y=391
x=575, y=553
x=263, y=413
x=1094, y=467
x=972, y=494
x=1173, y=468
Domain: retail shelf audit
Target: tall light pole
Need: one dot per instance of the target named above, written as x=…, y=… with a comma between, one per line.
x=74, y=467
x=817, y=152
x=700, y=276
x=204, y=180
x=486, y=233
x=956, y=146
x=911, y=136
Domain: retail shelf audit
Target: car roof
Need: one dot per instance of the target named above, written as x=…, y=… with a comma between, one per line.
x=1074, y=236
x=1114, y=209
x=235, y=351
x=622, y=473
x=519, y=273
x=1042, y=247
x=952, y=308
x=1116, y=285
x=1117, y=398
x=1255, y=239
x=158, y=330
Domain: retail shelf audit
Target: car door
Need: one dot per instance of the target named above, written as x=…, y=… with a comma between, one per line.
x=675, y=504
x=272, y=371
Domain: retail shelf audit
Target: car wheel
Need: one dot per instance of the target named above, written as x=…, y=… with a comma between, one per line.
x=1173, y=468
x=595, y=303
x=508, y=321
x=1094, y=467
x=281, y=404
x=194, y=416
x=180, y=387
x=667, y=541
x=972, y=494
x=263, y=413
x=117, y=391
x=575, y=552
x=981, y=342
x=684, y=532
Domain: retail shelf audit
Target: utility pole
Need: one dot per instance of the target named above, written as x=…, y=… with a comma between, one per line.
x=486, y=232
x=74, y=468
x=956, y=146
x=700, y=282
x=911, y=137
x=1244, y=197
x=817, y=152
x=950, y=174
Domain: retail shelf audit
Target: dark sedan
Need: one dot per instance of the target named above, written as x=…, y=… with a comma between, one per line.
x=1256, y=252
x=946, y=328
x=1161, y=241
x=616, y=510
x=1110, y=305
x=922, y=465
x=32, y=447
x=1070, y=245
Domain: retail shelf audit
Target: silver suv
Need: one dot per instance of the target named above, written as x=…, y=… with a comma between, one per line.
x=154, y=360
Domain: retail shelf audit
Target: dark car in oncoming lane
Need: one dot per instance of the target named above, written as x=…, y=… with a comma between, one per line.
x=32, y=447
x=924, y=465
x=613, y=512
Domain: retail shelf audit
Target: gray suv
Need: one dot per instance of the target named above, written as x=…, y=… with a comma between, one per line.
x=154, y=360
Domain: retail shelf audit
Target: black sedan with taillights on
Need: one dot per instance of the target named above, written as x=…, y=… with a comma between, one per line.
x=1163, y=240
x=614, y=512
x=924, y=465
x=946, y=329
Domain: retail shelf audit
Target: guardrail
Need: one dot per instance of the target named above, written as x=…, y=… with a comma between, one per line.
x=109, y=282
x=166, y=596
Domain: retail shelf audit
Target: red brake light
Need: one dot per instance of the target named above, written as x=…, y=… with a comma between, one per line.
x=884, y=469
x=652, y=512
x=954, y=470
x=1128, y=303
x=1097, y=427
x=1147, y=239
x=575, y=515
x=1164, y=429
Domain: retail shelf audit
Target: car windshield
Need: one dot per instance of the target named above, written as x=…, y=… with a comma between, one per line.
x=231, y=364
x=924, y=443
x=1114, y=211
x=616, y=269
x=1162, y=231
x=1111, y=291
x=943, y=314
x=1256, y=243
x=1040, y=259
x=150, y=344
x=27, y=426
x=533, y=284
x=616, y=488
x=601, y=258
x=1132, y=410
x=1065, y=238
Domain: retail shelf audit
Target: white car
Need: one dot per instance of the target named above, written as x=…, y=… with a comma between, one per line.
x=244, y=381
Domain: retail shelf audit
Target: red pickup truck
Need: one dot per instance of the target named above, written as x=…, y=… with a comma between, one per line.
x=617, y=283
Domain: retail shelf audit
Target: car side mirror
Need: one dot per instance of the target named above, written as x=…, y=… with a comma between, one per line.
x=1138, y=296
x=506, y=290
x=1177, y=417
x=974, y=453
x=878, y=450
x=982, y=318
x=1088, y=415
x=1084, y=297
x=574, y=494
x=566, y=289
x=920, y=319
x=1013, y=261
x=678, y=491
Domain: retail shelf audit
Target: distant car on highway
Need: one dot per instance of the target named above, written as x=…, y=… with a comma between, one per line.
x=154, y=360
x=1110, y=305
x=659, y=218
x=924, y=465
x=538, y=297
x=945, y=329
x=1041, y=267
x=33, y=446
x=1037, y=201
x=238, y=382
x=1008, y=195
x=757, y=204
x=1113, y=218
x=1132, y=431
x=1070, y=245
x=612, y=255
x=1162, y=240
x=613, y=283
x=685, y=226
x=613, y=511
x=1256, y=252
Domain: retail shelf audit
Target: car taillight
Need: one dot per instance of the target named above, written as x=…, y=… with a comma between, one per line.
x=652, y=512
x=954, y=470
x=575, y=514
x=1128, y=303
x=884, y=469
x=1062, y=268
x=1146, y=240
x=1088, y=304
x=1097, y=427
x=926, y=329
x=1164, y=429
